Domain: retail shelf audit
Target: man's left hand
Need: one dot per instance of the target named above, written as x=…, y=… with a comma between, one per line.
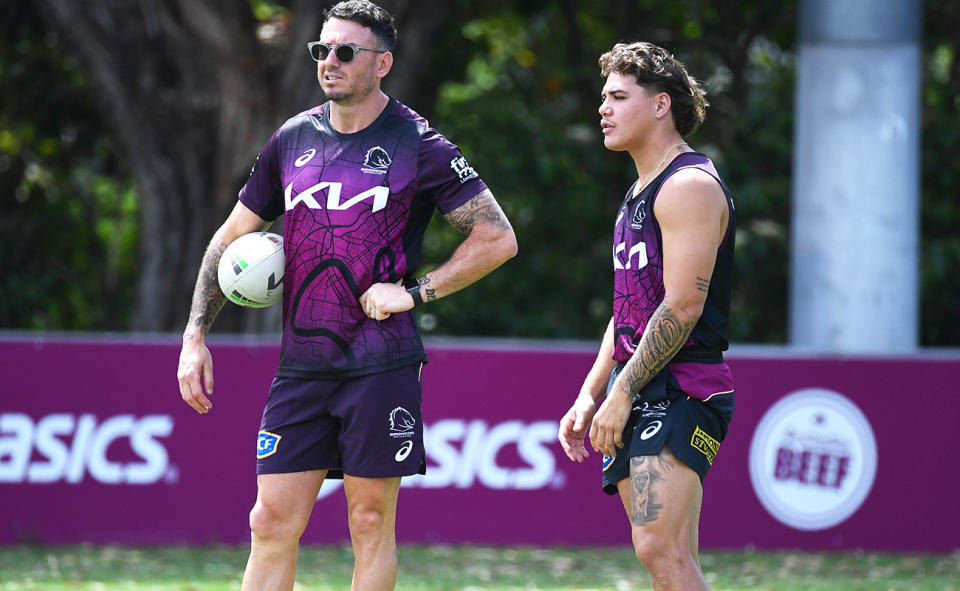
x=384, y=299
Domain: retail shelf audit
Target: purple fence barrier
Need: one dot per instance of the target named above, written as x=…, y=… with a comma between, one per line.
x=823, y=453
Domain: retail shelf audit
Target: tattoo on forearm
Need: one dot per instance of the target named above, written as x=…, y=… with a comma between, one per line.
x=482, y=208
x=664, y=336
x=644, y=471
x=429, y=291
x=207, y=297
x=703, y=284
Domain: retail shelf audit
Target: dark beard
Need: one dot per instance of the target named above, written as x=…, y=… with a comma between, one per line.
x=354, y=96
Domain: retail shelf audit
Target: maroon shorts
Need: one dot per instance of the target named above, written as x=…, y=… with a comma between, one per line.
x=370, y=426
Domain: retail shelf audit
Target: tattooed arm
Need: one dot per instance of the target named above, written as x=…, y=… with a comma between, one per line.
x=692, y=212
x=195, y=371
x=489, y=242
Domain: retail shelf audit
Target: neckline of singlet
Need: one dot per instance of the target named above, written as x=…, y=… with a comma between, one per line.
x=657, y=181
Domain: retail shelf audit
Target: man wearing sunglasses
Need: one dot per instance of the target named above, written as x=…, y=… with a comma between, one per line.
x=356, y=180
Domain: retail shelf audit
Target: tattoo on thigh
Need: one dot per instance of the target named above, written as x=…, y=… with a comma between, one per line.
x=644, y=471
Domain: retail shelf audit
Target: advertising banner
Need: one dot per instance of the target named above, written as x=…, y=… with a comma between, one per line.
x=97, y=446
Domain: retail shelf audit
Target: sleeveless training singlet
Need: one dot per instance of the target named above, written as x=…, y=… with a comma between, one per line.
x=639, y=289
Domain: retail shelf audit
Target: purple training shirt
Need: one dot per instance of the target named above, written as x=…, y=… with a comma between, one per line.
x=355, y=208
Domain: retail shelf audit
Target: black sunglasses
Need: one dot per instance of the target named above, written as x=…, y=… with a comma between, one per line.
x=345, y=52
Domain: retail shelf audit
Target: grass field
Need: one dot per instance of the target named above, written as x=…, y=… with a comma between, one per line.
x=467, y=568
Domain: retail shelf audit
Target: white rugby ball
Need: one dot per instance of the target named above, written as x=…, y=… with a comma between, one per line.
x=251, y=270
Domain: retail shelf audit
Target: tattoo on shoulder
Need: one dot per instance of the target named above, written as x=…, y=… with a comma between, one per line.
x=703, y=284
x=481, y=208
x=644, y=472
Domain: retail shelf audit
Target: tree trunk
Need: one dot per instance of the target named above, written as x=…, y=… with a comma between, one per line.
x=192, y=89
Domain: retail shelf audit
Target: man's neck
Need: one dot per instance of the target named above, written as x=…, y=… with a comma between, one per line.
x=357, y=116
x=654, y=156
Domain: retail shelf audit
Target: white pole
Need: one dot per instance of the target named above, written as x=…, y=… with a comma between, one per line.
x=854, y=279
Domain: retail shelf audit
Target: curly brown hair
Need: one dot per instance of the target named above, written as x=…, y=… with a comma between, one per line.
x=656, y=69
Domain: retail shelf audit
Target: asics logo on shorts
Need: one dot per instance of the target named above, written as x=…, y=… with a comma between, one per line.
x=267, y=443
x=651, y=430
x=404, y=451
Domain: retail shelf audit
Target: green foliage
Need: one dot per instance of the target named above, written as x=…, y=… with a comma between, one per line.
x=263, y=10
x=756, y=161
x=516, y=85
x=69, y=212
x=525, y=116
x=516, y=115
x=940, y=178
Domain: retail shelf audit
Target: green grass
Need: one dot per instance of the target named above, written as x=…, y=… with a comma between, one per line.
x=467, y=568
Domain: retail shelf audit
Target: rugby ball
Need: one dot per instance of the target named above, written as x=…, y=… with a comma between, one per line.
x=251, y=270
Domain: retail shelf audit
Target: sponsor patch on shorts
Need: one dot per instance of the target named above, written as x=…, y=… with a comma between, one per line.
x=267, y=443
x=705, y=444
x=608, y=461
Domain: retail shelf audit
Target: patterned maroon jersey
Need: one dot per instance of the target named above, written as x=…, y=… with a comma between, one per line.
x=639, y=290
x=354, y=207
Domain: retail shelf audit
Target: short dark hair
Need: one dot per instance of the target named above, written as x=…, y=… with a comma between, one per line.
x=655, y=68
x=370, y=16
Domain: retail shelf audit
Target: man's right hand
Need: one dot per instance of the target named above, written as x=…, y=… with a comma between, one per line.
x=574, y=427
x=195, y=374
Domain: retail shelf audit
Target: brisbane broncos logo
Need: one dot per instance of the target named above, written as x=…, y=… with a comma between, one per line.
x=638, y=216
x=401, y=420
x=377, y=157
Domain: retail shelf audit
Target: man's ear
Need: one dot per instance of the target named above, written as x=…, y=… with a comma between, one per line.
x=384, y=64
x=663, y=103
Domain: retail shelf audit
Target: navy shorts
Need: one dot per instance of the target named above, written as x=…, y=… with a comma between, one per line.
x=369, y=426
x=664, y=415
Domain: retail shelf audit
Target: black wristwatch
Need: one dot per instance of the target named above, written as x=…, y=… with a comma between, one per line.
x=414, y=291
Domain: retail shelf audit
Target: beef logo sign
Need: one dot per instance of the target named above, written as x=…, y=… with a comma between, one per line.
x=813, y=459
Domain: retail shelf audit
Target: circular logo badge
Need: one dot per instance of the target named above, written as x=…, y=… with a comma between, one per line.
x=813, y=459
